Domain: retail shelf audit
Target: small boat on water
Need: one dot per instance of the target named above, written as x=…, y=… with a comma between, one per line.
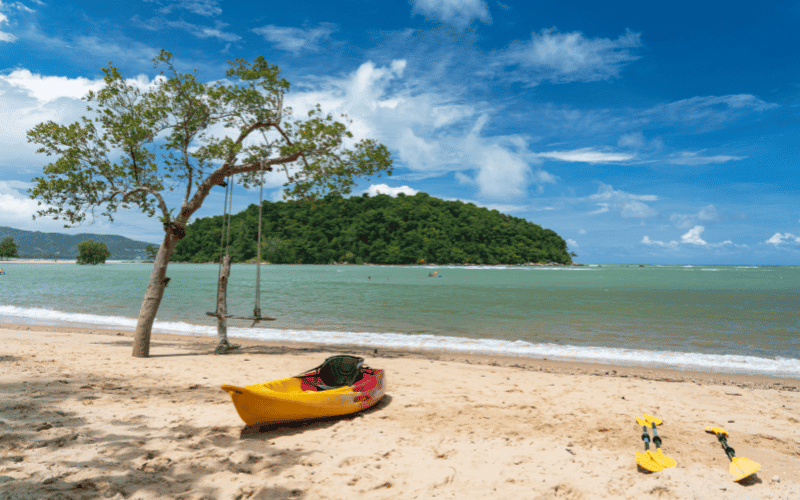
x=339, y=386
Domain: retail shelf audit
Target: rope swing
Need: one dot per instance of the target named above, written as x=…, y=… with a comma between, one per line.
x=221, y=312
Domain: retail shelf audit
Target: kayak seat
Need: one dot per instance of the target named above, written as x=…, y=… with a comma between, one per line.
x=339, y=371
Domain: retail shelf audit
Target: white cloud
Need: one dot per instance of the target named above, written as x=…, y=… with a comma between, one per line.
x=5, y=37
x=205, y=8
x=581, y=231
x=568, y=57
x=15, y=205
x=572, y=243
x=501, y=172
x=707, y=111
x=377, y=189
x=671, y=245
x=628, y=205
x=586, y=155
x=27, y=99
x=708, y=213
x=637, y=140
x=456, y=12
x=49, y=88
x=779, y=238
x=695, y=158
x=693, y=236
x=296, y=40
x=17, y=210
x=431, y=133
x=159, y=24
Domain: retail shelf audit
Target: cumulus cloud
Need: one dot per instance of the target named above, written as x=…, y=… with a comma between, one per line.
x=28, y=99
x=671, y=245
x=693, y=237
x=432, y=133
x=779, y=238
x=456, y=12
x=572, y=243
x=568, y=57
x=296, y=40
x=586, y=155
x=501, y=172
x=628, y=205
x=48, y=88
x=377, y=189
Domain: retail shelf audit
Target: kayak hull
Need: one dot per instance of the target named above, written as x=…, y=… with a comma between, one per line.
x=298, y=398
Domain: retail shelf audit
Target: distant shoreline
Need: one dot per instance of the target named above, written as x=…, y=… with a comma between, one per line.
x=37, y=261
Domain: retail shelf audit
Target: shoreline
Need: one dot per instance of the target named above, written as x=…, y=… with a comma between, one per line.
x=80, y=418
x=544, y=365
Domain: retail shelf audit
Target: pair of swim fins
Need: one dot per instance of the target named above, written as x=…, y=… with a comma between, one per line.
x=652, y=460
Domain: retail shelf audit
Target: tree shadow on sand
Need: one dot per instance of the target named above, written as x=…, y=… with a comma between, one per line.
x=51, y=452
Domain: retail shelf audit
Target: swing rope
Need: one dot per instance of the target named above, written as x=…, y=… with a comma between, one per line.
x=257, y=307
x=225, y=239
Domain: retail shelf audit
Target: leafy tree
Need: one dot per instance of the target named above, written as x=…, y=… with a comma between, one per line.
x=8, y=248
x=92, y=252
x=151, y=251
x=139, y=144
x=277, y=251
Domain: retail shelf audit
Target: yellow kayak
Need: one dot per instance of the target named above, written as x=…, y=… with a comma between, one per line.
x=308, y=396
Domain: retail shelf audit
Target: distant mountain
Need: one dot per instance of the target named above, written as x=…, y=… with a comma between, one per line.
x=38, y=245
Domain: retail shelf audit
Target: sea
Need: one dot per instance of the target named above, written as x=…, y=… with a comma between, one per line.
x=726, y=319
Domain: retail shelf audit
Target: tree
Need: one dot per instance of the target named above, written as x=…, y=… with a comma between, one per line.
x=151, y=251
x=140, y=144
x=8, y=248
x=92, y=252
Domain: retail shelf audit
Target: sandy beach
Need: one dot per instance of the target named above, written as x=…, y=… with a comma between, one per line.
x=80, y=418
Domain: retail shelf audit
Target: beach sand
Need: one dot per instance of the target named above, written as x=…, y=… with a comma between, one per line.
x=80, y=418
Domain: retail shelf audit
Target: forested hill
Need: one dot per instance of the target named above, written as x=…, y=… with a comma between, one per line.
x=379, y=230
x=38, y=245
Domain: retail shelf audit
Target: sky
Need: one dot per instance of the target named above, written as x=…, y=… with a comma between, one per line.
x=641, y=133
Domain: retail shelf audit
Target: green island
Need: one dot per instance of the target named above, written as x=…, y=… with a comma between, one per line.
x=380, y=229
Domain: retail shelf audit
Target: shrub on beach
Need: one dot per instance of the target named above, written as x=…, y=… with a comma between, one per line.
x=8, y=248
x=92, y=252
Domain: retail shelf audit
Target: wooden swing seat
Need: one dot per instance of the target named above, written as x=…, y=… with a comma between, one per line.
x=233, y=316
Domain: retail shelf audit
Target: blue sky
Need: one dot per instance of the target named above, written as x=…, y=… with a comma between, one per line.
x=639, y=133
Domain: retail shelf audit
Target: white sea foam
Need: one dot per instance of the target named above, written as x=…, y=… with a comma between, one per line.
x=783, y=367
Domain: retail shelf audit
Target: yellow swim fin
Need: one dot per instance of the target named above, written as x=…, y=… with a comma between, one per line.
x=740, y=467
x=657, y=455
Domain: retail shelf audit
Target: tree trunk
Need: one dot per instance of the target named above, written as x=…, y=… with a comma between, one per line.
x=222, y=306
x=152, y=297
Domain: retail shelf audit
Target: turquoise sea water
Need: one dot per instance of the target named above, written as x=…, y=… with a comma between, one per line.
x=714, y=318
